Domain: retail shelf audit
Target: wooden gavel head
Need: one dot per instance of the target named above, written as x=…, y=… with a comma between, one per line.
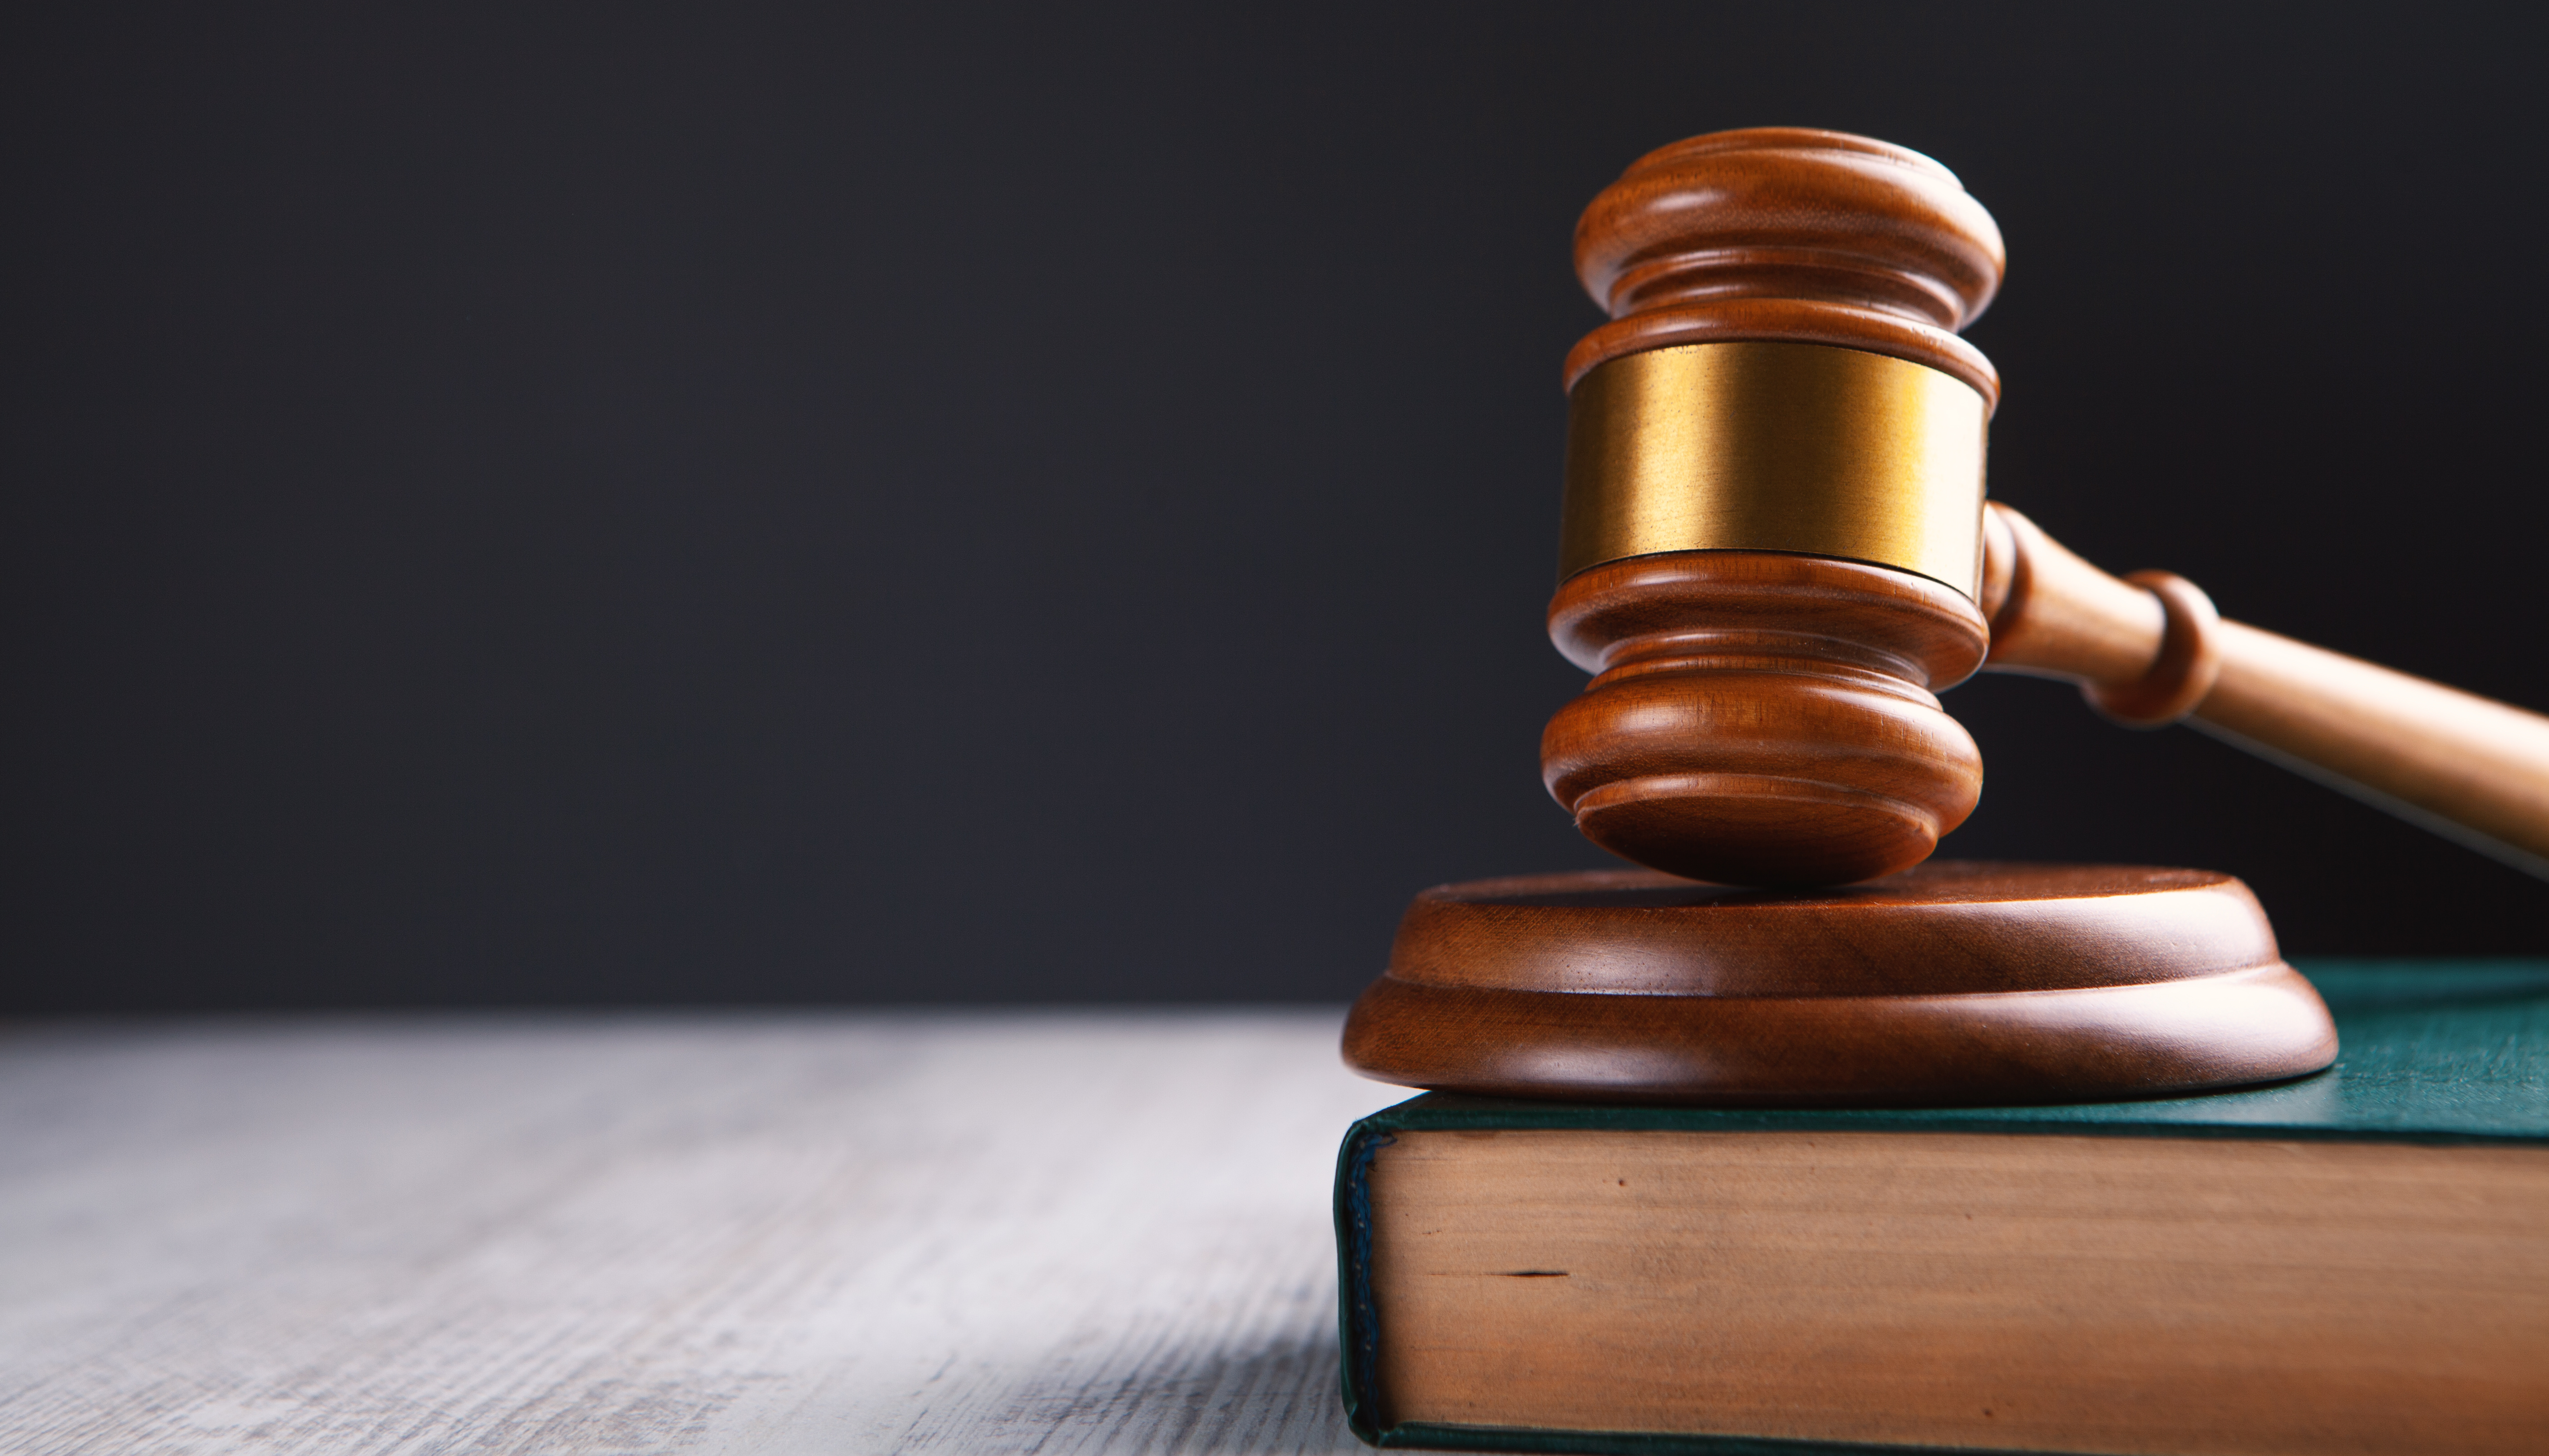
x=1772, y=543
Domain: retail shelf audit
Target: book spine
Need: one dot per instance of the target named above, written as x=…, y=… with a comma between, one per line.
x=1358, y=1327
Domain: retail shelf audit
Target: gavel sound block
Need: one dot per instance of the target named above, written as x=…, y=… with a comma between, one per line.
x=1775, y=553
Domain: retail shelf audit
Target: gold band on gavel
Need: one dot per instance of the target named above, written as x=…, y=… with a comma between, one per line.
x=1766, y=447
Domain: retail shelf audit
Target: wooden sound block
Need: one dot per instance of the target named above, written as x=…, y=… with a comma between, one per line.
x=1955, y=983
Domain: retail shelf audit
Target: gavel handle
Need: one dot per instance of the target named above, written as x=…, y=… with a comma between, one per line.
x=2150, y=650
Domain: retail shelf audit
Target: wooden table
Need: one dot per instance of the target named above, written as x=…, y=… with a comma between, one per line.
x=806, y=1232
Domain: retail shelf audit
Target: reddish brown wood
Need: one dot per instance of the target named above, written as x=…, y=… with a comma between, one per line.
x=2185, y=668
x=1763, y=718
x=1788, y=233
x=1774, y=725
x=2148, y=650
x=2054, y=614
x=1766, y=719
x=1951, y=984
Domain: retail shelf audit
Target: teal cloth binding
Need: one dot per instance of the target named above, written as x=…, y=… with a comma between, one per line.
x=2430, y=1051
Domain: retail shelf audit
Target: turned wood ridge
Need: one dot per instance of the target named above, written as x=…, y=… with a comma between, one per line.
x=1954, y=982
x=2150, y=650
x=1777, y=553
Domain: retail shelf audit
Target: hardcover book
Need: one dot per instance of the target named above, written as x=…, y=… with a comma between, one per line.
x=2356, y=1261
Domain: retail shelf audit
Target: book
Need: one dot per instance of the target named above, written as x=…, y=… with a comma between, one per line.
x=2356, y=1261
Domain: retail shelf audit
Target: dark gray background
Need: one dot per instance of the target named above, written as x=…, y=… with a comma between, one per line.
x=584, y=505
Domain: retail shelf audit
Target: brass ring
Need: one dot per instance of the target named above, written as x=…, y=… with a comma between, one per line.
x=1776, y=446
x=2189, y=663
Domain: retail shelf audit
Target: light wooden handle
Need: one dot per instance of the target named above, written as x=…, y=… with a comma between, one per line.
x=2150, y=650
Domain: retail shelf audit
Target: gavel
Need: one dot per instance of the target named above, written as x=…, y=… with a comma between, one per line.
x=1776, y=550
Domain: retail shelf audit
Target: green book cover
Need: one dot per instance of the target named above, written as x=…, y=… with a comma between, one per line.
x=2431, y=1052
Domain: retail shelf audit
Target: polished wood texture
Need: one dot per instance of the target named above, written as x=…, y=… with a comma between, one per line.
x=1768, y=716
x=2149, y=649
x=1950, y=984
x=1763, y=718
x=1788, y=233
x=639, y=1233
x=2202, y=1296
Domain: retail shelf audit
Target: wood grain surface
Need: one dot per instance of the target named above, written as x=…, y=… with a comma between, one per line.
x=1789, y=233
x=1951, y=984
x=1780, y=732
x=1763, y=718
x=2149, y=649
x=1764, y=713
x=816, y=1233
